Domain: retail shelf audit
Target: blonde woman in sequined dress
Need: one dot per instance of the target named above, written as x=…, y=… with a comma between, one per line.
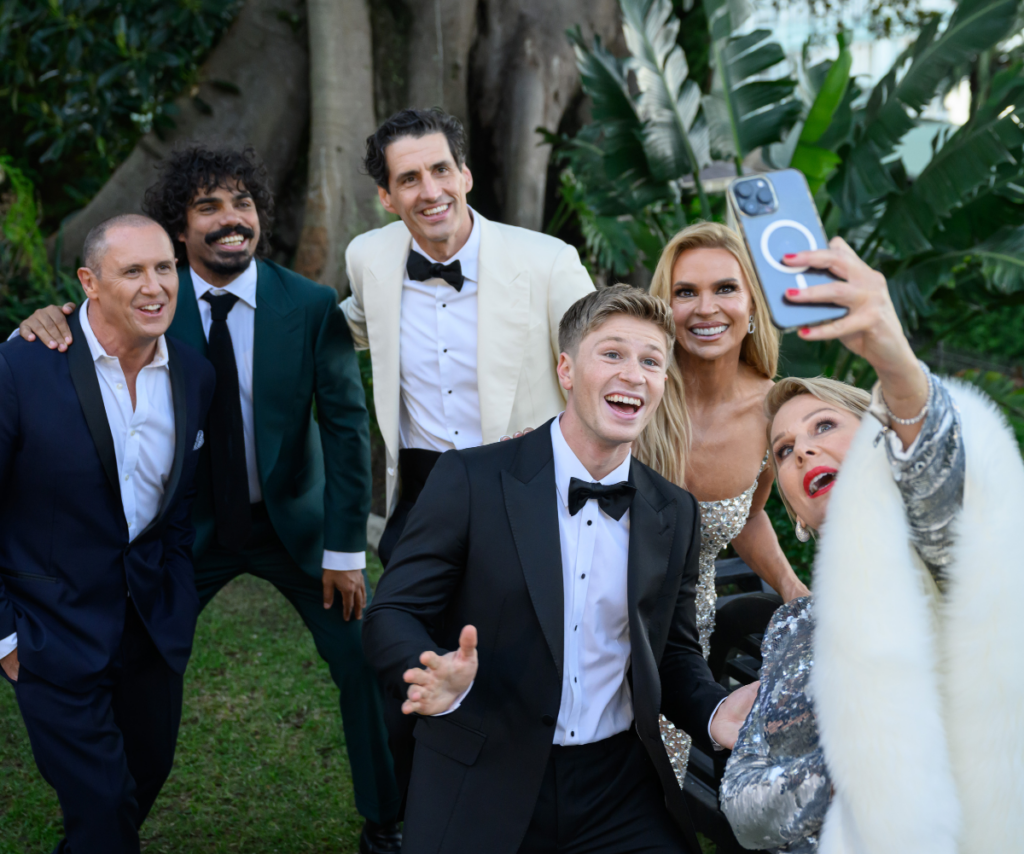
x=726, y=354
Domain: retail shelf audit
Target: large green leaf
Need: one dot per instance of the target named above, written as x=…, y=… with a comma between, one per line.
x=967, y=162
x=675, y=138
x=745, y=110
x=895, y=102
x=998, y=262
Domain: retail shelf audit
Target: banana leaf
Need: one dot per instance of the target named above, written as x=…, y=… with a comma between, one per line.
x=676, y=140
x=896, y=101
x=745, y=110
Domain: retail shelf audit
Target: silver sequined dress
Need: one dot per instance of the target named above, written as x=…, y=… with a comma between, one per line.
x=776, y=787
x=720, y=523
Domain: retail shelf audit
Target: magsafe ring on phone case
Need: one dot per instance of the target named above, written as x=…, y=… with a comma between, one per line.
x=777, y=216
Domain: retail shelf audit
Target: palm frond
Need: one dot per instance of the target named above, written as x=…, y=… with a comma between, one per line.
x=895, y=102
x=675, y=138
x=745, y=110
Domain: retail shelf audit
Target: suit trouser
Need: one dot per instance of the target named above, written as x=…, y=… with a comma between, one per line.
x=338, y=642
x=602, y=798
x=106, y=751
x=414, y=467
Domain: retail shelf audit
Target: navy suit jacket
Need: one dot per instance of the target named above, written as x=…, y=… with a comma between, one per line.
x=66, y=564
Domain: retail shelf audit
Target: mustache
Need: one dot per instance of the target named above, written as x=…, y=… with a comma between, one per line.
x=243, y=230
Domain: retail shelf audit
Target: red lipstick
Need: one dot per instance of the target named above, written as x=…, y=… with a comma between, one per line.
x=822, y=478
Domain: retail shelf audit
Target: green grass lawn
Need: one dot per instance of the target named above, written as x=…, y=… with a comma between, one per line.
x=261, y=763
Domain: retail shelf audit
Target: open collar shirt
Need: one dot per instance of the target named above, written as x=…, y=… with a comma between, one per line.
x=143, y=435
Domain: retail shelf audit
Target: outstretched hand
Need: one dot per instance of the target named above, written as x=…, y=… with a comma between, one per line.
x=871, y=329
x=49, y=325
x=725, y=725
x=444, y=678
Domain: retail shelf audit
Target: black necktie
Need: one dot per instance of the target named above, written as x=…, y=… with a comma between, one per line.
x=421, y=268
x=227, y=438
x=614, y=498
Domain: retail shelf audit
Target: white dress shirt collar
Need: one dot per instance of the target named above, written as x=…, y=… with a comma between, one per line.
x=468, y=256
x=97, y=351
x=568, y=465
x=244, y=287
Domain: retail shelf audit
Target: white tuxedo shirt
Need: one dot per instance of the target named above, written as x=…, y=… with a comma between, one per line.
x=526, y=282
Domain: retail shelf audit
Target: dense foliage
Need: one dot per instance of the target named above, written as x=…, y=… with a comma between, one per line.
x=81, y=80
x=951, y=241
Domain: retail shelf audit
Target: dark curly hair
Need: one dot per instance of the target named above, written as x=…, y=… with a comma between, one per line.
x=194, y=168
x=415, y=123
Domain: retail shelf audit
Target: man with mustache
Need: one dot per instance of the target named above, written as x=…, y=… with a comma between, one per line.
x=281, y=495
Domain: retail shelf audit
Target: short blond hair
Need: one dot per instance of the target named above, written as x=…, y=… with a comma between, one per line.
x=589, y=312
x=827, y=390
x=761, y=348
x=670, y=425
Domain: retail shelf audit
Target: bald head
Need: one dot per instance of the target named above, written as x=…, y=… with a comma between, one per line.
x=95, y=246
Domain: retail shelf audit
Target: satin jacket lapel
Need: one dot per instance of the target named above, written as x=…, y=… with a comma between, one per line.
x=503, y=321
x=531, y=503
x=180, y=403
x=652, y=525
x=87, y=387
x=276, y=362
x=187, y=325
x=382, y=301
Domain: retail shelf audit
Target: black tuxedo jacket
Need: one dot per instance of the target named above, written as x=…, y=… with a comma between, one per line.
x=66, y=563
x=482, y=547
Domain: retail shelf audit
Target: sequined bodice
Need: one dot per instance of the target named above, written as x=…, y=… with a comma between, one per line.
x=720, y=523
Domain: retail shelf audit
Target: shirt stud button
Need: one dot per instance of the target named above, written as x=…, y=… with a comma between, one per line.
x=589, y=522
x=120, y=385
x=572, y=732
x=584, y=575
x=126, y=477
x=456, y=432
x=445, y=349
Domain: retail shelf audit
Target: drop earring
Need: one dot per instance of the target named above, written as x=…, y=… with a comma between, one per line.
x=750, y=326
x=802, y=534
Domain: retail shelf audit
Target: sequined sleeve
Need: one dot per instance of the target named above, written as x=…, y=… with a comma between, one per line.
x=776, y=787
x=930, y=477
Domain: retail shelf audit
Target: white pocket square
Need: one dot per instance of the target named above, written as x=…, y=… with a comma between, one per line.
x=199, y=441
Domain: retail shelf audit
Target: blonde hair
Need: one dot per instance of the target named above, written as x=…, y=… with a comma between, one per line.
x=845, y=396
x=760, y=349
x=667, y=454
x=589, y=312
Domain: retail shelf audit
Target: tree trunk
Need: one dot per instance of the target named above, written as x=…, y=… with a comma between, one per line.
x=254, y=90
x=525, y=77
x=440, y=40
x=341, y=202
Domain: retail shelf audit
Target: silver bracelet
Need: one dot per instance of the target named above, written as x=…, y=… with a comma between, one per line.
x=920, y=415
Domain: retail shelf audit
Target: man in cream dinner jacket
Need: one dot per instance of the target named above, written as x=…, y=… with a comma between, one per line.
x=460, y=314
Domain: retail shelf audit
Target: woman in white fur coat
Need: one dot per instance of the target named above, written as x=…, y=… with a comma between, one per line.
x=890, y=716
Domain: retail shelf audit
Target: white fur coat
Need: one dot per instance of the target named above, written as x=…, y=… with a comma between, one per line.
x=920, y=698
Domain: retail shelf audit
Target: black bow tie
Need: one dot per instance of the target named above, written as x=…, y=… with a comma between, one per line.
x=614, y=498
x=422, y=268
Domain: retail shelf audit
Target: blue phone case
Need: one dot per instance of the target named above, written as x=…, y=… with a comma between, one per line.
x=777, y=216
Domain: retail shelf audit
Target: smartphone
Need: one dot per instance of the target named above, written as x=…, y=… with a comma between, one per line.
x=776, y=215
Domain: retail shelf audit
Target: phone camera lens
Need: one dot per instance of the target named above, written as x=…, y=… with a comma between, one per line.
x=749, y=207
x=764, y=196
x=743, y=190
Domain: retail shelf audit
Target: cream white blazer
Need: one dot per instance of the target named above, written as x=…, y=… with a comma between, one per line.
x=527, y=281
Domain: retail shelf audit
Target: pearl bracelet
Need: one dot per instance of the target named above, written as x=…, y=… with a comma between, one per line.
x=920, y=415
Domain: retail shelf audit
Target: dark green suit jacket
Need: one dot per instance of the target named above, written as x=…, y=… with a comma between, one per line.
x=315, y=476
